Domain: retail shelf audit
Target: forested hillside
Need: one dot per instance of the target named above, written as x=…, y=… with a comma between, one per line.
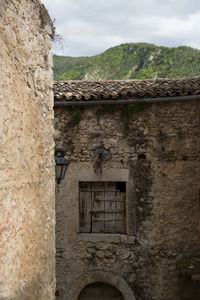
x=130, y=61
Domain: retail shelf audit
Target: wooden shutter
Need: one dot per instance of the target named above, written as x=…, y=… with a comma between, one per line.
x=85, y=195
x=102, y=208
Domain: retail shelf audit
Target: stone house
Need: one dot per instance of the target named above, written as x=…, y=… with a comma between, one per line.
x=128, y=208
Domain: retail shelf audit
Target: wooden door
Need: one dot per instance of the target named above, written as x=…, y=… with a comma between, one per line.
x=100, y=291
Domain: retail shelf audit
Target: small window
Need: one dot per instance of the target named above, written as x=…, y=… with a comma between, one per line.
x=102, y=207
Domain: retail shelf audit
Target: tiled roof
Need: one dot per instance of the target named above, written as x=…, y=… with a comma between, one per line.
x=124, y=89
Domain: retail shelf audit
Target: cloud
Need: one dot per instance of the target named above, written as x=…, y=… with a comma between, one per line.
x=90, y=27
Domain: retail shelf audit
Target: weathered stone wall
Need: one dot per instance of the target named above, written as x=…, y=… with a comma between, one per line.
x=26, y=152
x=157, y=145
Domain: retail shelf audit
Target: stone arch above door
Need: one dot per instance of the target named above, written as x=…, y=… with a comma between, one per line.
x=99, y=276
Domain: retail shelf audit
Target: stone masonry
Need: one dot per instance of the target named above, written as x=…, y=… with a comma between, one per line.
x=154, y=148
x=26, y=154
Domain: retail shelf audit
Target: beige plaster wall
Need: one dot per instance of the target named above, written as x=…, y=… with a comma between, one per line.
x=26, y=152
x=156, y=150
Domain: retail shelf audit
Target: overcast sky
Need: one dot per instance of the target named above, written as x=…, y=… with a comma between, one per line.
x=89, y=27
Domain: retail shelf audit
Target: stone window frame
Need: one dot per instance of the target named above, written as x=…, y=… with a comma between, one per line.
x=115, y=175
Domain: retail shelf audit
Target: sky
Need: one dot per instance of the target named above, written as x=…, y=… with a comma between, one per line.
x=89, y=27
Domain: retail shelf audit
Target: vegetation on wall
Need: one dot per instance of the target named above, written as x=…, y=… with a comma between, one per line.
x=130, y=61
x=127, y=113
x=76, y=114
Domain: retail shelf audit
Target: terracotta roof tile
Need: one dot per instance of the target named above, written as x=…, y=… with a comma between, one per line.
x=123, y=89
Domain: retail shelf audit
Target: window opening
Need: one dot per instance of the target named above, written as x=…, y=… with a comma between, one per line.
x=121, y=186
x=102, y=207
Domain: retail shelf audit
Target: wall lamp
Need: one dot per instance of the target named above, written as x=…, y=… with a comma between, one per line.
x=61, y=166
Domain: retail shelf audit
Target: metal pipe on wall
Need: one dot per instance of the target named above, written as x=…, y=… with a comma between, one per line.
x=126, y=101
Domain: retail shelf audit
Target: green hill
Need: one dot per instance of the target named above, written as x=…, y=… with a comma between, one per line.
x=130, y=61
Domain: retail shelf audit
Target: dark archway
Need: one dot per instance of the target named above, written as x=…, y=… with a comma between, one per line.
x=100, y=291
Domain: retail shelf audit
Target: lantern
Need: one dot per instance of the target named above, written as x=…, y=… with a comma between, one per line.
x=60, y=166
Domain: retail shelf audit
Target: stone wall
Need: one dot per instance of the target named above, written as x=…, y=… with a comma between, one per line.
x=26, y=152
x=155, y=148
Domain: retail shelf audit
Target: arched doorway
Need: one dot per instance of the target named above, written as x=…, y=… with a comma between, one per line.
x=99, y=276
x=100, y=291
